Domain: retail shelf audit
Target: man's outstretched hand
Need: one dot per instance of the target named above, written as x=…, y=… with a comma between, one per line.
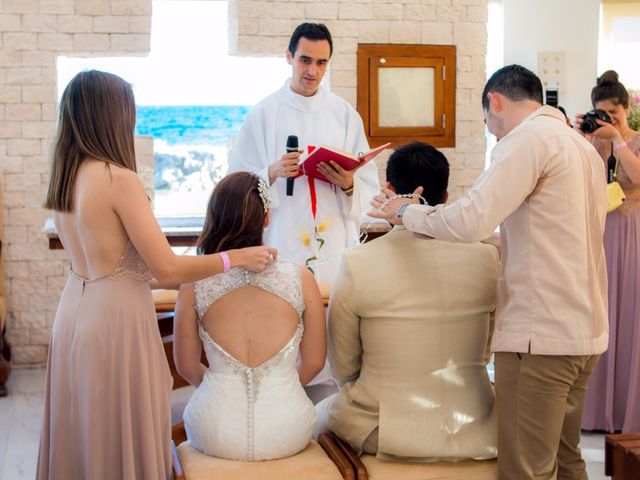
x=386, y=204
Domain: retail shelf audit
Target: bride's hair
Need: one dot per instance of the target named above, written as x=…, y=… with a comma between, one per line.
x=235, y=215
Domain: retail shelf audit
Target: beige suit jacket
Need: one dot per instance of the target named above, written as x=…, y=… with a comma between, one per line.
x=409, y=326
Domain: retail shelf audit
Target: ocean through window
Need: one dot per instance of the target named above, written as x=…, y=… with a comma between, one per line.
x=191, y=97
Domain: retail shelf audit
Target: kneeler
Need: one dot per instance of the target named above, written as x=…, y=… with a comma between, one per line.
x=368, y=467
x=622, y=456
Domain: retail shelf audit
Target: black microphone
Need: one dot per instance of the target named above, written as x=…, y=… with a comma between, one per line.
x=292, y=146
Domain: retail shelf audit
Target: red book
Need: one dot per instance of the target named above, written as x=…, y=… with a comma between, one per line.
x=348, y=161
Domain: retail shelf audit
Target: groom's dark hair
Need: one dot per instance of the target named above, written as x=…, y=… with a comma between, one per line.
x=416, y=165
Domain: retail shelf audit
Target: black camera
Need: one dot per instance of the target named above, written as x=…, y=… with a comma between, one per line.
x=589, y=124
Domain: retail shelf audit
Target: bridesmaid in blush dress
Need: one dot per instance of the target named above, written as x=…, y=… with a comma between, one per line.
x=613, y=396
x=108, y=386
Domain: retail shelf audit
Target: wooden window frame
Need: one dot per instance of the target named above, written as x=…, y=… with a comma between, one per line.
x=440, y=57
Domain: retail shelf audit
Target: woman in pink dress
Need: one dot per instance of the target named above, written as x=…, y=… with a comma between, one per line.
x=613, y=396
x=108, y=386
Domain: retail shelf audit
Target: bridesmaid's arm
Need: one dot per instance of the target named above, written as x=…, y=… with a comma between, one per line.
x=130, y=203
x=187, y=347
x=313, y=347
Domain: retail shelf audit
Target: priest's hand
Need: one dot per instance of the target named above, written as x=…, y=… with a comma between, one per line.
x=338, y=175
x=287, y=166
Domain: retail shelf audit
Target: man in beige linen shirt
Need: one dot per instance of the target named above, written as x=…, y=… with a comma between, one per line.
x=546, y=188
x=409, y=324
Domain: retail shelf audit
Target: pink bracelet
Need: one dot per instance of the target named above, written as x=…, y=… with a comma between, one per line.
x=226, y=262
x=618, y=146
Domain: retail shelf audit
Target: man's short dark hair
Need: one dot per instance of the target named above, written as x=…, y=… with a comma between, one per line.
x=310, y=31
x=514, y=82
x=419, y=165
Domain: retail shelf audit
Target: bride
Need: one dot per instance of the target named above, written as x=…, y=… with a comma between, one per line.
x=253, y=328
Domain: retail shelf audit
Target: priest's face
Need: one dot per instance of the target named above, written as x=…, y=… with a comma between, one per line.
x=308, y=64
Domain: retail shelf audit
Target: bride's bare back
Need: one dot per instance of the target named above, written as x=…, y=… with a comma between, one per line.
x=250, y=324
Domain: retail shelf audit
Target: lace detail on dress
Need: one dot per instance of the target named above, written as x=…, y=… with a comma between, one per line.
x=283, y=280
x=252, y=377
x=131, y=265
x=275, y=279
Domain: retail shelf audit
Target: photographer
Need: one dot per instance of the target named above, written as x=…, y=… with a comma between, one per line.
x=613, y=396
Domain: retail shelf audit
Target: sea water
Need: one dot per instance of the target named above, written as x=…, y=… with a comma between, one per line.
x=191, y=145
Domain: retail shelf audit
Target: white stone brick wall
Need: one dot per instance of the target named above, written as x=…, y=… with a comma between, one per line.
x=33, y=32
x=429, y=22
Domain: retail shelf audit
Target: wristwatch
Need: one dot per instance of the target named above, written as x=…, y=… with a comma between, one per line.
x=402, y=209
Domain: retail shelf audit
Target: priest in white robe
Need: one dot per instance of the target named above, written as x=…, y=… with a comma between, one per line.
x=315, y=225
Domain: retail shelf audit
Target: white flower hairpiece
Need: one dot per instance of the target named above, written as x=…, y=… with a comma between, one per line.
x=263, y=191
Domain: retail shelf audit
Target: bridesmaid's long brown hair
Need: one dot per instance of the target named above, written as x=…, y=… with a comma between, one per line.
x=235, y=215
x=96, y=121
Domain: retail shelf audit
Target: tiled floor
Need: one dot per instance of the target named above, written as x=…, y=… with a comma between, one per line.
x=20, y=423
x=21, y=418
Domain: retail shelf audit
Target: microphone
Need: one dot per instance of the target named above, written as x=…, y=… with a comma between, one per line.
x=292, y=146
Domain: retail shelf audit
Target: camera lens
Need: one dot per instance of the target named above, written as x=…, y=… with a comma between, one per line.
x=588, y=125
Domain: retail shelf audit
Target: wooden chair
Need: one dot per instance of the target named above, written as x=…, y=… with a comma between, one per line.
x=321, y=460
x=369, y=467
x=622, y=456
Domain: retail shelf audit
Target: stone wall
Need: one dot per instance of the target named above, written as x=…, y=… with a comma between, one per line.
x=34, y=32
x=263, y=27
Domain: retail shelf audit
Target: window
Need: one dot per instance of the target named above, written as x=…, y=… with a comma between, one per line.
x=407, y=92
x=192, y=98
x=620, y=40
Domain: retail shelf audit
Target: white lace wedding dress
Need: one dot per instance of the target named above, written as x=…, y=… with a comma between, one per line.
x=245, y=413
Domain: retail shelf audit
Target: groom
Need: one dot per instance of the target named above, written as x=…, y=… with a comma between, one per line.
x=409, y=327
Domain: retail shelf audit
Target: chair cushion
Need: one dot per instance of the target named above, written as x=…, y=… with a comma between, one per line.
x=466, y=470
x=161, y=295
x=311, y=464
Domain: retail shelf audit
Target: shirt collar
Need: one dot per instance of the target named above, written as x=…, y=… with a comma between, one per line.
x=300, y=102
x=543, y=111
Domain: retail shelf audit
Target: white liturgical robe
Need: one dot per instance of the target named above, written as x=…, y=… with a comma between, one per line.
x=322, y=119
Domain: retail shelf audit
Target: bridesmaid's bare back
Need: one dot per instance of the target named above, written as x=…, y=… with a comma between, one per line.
x=92, y=234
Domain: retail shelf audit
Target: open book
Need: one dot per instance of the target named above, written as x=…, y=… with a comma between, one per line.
x=348, y=161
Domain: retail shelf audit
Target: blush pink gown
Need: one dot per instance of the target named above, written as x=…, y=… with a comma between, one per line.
x=613, y=395
x=108, y=386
